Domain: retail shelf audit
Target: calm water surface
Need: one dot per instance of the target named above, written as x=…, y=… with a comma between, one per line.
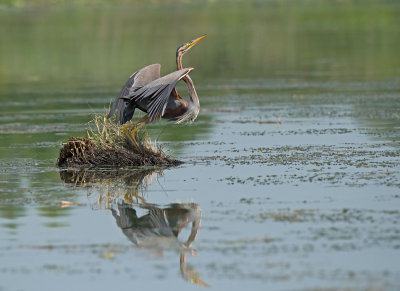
x=292, y=169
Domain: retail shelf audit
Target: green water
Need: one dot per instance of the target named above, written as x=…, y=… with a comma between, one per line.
x=293, y=162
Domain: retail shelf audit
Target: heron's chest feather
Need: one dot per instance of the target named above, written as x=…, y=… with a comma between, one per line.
x=175, y=107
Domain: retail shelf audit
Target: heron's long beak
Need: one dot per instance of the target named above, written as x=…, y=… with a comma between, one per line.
x=193, y=42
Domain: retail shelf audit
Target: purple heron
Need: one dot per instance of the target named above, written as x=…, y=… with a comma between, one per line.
x=157, y=96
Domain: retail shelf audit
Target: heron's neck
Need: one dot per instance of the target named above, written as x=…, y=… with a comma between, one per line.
x=189, y=83
x=179, y=61
x=192, y=93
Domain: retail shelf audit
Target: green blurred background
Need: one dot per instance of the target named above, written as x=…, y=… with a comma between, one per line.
x=76, y=44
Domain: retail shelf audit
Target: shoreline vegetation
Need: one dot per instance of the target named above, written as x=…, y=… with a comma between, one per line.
x=107, y=145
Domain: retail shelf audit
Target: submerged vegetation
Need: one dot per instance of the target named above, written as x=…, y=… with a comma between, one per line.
x=107, y=145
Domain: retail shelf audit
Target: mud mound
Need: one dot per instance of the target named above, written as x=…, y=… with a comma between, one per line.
x=83, y=151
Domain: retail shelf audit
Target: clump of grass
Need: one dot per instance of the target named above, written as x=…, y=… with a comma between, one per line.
x=108, y=134
x=105, y=132
x=106, y=144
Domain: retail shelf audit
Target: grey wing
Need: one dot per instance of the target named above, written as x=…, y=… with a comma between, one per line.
x=157, y=93
x=136, y=80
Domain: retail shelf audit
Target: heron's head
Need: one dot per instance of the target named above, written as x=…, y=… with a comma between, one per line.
x=183, y=48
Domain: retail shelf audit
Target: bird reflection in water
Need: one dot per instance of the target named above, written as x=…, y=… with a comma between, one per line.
x=147, y=226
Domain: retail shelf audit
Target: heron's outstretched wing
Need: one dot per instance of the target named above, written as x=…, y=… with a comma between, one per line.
x=136, y=80
x=157, y=92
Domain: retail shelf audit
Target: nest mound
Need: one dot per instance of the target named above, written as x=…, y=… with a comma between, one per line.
x=108, y=146
x=83, y=151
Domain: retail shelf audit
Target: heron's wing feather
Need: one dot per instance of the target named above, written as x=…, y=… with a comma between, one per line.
x=157, y=92
x=136, y=80
x=145, y=76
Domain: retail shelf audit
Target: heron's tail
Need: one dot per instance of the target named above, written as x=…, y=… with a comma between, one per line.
x=124, y=111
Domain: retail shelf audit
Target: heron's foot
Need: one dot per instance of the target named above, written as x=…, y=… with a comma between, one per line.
x=131, y=133
x=125, y=127
x=133, y=136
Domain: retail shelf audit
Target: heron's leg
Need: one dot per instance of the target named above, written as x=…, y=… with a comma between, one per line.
x=127, y=129
x=135, y=130
x=131, y=133
x=129, y=125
